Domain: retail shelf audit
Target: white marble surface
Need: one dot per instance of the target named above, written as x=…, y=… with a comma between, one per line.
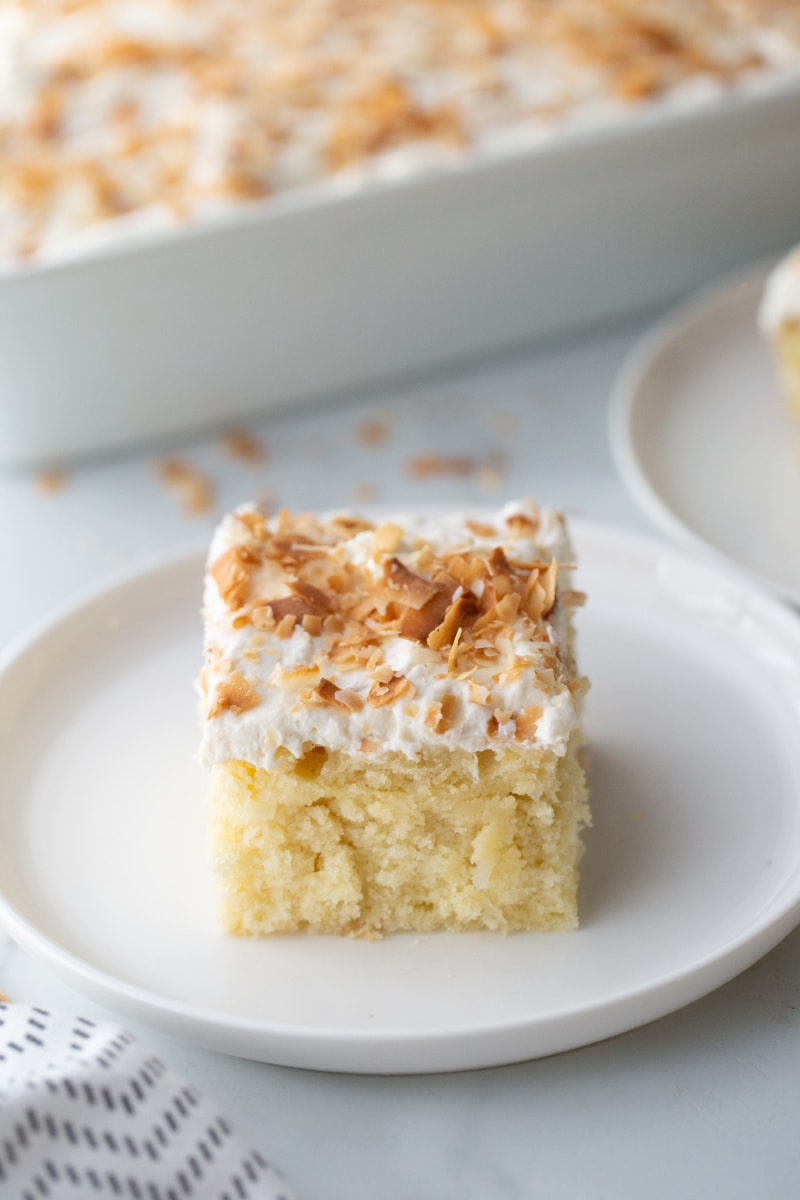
x=702, y=1103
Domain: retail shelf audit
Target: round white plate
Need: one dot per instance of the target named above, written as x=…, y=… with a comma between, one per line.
x=702, y=439
x=692, y=869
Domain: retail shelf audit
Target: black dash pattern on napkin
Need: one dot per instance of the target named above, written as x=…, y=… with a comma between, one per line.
x=87, y=1111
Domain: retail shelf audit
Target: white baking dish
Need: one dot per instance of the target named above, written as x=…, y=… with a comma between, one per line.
x=335, y=287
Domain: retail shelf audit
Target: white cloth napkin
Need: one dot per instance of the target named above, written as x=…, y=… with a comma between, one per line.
x=87, y=1111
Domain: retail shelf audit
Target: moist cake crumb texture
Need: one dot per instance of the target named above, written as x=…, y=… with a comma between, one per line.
x=391, y=718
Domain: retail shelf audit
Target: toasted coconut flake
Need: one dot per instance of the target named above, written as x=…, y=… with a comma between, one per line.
x=51, y=481
x=386, y=539
x=373, y=432
x=456, y=616
x=386, y=693
x=549, y=582
x=461, y=570
x=502, y=584
x=498, y=563
x=351, y=651
x=351, y=525
x=415, y=589
x=424, y=466
x=486, y=654
x=523, y=524
x=375, y=659
x=545, y=678
x=346, y=698
x=316, y=598
x=293, y=552
x=452, y=658
x=262, y=616
x=440, y=713
x=478, y=694
x=364, y=609
x=234, y=694
x=231, y=573
x=417, y=624
x=312, y=624
x=327, y=691
x=244, y=445
x=527, y=722
x=255, y=522
x=486, y=626
x=433, y=715
x=194, y=490
x=449, y=704
x=285, y=627
x=481, y=529
x=508, y=607
x=535, y=598
x=365, y=492
x=295, y=606
x=294, y=678
x=338, y=582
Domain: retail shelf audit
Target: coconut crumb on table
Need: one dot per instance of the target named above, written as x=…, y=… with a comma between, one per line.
x=245, y=446
x=192, y=488
x=51, y=481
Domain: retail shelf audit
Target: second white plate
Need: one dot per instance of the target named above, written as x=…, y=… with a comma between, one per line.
x=692, y=869
x=703, y=442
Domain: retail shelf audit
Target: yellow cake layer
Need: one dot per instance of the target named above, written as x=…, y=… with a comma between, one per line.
x=787, y=346
x=448, y=840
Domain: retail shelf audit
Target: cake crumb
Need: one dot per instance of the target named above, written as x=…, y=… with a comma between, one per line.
x=193, y=489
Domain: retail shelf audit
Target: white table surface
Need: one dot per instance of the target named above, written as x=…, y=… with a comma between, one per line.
x=704, y=1103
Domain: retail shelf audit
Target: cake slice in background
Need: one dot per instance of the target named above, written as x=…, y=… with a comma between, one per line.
x=392, y=722
x=779, y=321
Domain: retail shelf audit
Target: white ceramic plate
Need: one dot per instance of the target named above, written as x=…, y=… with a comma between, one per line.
x=692, y=870
x=703, y=442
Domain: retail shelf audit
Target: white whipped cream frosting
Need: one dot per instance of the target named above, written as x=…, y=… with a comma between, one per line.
x=781, y=299
x=278, y=723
